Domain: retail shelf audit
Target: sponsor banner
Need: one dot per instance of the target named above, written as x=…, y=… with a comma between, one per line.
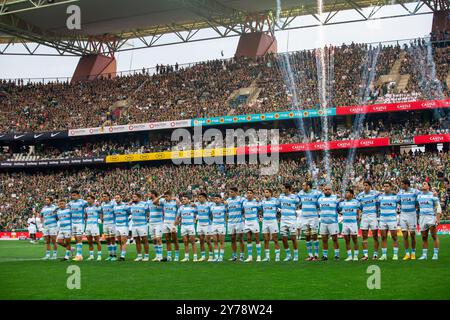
x=130, y=128
x=314, y=146
x=392, y=107
x=432, y=138
x=271, y=116
x=345, y=110
x=167, y=155
x=51, y=163
x=33, y=136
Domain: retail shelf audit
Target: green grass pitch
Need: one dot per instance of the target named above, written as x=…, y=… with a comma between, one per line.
x=24, y=276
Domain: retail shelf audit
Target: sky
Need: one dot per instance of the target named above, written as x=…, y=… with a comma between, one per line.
x=298, y=39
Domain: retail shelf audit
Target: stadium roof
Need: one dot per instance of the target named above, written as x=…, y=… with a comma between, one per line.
x=107, y=25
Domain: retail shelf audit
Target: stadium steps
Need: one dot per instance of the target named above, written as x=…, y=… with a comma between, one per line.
x=395, y=69
x=394, y=74
x=403, y=82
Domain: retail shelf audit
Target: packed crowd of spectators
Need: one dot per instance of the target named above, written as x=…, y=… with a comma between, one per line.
x=401, y=131
x=204, y=90
x=21, y=192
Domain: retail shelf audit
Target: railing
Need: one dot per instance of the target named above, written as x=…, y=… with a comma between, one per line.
x=152, y=70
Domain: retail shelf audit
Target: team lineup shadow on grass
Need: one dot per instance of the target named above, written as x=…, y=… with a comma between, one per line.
x=24, y=276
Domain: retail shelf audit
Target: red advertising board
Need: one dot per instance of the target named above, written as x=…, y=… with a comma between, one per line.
x=432, y=138
x=392, y=107
x=314, y=146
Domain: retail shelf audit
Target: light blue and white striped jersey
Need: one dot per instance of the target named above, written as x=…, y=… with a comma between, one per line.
x=288, y=207
x=169, y=209
x=349, y=210
x=218, y=213
x=270, y=208
x=388, y=204
x=308, y=201
x=426, y=202
x=49, y=214
x=368, y=202
x=234, y=206
x=156, y=212
x=77, y=210
x=108, y=212
x=121, y=212
x=203, y=212
x=187, y=214
x=251, y=208
x=139, y=211
x=64, y=218
x=328, y=206
x=93, y=214
x=408, y=201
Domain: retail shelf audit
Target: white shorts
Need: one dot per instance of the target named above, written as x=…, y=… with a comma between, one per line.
x=408, y=222
x=329, y=228
x=64, y=234
x=299, y=222
x=122, y=231
x=156, y=230
x=32, y=229
x=388, y=225
x=310, y=225
x=369, y=222
x=92, y=230
x=251, y=226
x=169, y=227
x=204, y=230
x=109, y=230
x=234, y=228
x=350, y=228
x=139, y=231
x=426, y=221
x=288, y=228
x=217, y=229
x=50, y=232
x=187, y=231
x=270, y=227
x=77, y=229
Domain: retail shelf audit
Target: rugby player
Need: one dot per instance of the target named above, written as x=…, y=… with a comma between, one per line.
x=48, y=216
x=121, y=213
x=429, y=219
x=92, y=215
x=170, y=206
x=204, y=225
x=156, y=224
x=251, y=208
x=388, y=203
x=270, y=206
x=288, y=206
x=139, y=216
x=65, y=227
x=369, y=220
x=109, y=225
x=310, y=218
x=77, y=206
x=235, y=223
x=218, y=211
x=408, y=217
x=328, y=205
x=186, y=216
x=350, y=208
